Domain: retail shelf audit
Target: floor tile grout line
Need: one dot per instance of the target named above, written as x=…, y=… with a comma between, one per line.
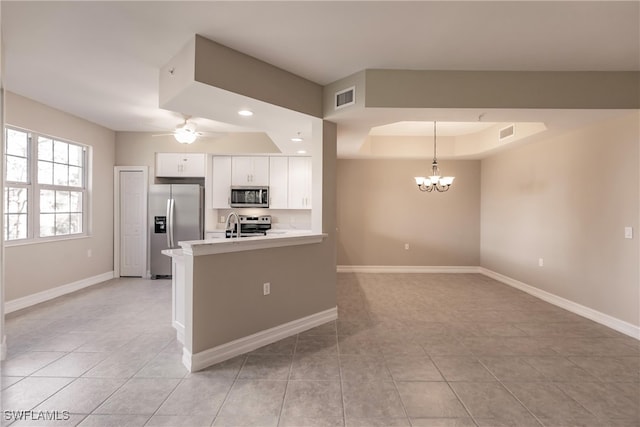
x=344, y=406
x=286, y=387
x=512, y=394
x=166, y=398
x=454, y=392
x=233, y=383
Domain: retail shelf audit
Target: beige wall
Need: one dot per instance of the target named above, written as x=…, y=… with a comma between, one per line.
x=502, y=89
x=380, y=209
x=567, y=200
x=33, y=268
x=227, y=295
x=225, y=68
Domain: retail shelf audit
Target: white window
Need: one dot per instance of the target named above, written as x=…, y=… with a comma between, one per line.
x=45, y=187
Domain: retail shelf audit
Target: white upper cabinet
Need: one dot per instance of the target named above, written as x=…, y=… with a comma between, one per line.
x=288, y=178
x=220, y=182
x=181, y=165
x=278, y=182
x=299, y=183
x=250, y=170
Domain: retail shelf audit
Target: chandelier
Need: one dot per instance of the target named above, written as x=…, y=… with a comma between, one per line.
x=434, y=181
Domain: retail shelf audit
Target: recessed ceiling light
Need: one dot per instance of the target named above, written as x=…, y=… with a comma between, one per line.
x=246, y=113
x=297, y=138
x=301, y=151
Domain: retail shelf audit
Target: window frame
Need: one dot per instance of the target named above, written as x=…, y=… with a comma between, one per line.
x=34, y=188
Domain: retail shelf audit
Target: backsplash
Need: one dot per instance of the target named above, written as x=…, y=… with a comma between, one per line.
x=281, y=218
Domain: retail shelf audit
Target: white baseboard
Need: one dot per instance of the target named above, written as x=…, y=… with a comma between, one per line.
x=406, y=269
x=179, y=327
x=33, y=299
x=591, y=314
x=206, y=358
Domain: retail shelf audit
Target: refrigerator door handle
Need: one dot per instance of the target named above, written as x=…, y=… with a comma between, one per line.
x=170, y=211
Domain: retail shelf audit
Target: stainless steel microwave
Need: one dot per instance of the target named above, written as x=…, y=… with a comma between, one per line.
x=249, y=197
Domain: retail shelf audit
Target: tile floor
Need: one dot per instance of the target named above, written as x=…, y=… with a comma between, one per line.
x=408, y=350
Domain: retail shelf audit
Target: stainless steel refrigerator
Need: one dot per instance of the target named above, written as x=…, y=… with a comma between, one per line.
x=176, y=214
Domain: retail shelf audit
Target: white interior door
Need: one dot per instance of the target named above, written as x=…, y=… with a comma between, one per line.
x=132, y=223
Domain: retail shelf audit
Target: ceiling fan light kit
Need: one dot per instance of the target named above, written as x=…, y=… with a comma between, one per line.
x=186, y=134
x=435, y=181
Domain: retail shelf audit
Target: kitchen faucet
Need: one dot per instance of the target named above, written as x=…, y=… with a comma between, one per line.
x=227, y=225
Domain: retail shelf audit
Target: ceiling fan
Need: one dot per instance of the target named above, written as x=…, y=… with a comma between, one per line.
x=186, y=132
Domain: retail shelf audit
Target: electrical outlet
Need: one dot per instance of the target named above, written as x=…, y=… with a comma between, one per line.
x=628, y=232
x=406, y=246
x=266, y=288
x=89, y=253
x=540, y=262
x=222, y=219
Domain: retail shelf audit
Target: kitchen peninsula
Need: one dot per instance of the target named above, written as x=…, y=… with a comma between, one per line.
x=234, y=295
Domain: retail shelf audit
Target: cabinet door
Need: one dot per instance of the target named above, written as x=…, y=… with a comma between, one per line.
x=184, y=165
x=250, y=170
x=167, y=165
x=260, y=175
x=220, y=182
x=299, y=182
x=192, y=165
x=278, y=182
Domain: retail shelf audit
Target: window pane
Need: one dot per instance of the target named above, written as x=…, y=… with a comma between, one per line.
x=60, y=152
x=75, y=223
x=47, y=201
x=62, y=201
x=75, y=155
x=62, y=224
x=16, y=226
x=47, y=225
x=45, y=172
x=60, y=174
x=17, y=169
x=75, y=203
x=75, y=176
x=45, y=149
x=17, y=143
x=15, y=200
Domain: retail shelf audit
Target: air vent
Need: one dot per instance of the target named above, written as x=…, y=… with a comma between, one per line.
x=345, y=97
x=507, y=132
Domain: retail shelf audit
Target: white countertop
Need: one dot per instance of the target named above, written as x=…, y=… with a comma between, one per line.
x=273, y=239
x=172, y=252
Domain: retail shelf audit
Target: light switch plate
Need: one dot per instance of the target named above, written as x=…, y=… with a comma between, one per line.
x=628, y=232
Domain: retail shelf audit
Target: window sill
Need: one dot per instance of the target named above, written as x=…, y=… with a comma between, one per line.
x=25, y=242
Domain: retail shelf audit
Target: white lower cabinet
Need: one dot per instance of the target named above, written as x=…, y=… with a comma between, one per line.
x=299, y=183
